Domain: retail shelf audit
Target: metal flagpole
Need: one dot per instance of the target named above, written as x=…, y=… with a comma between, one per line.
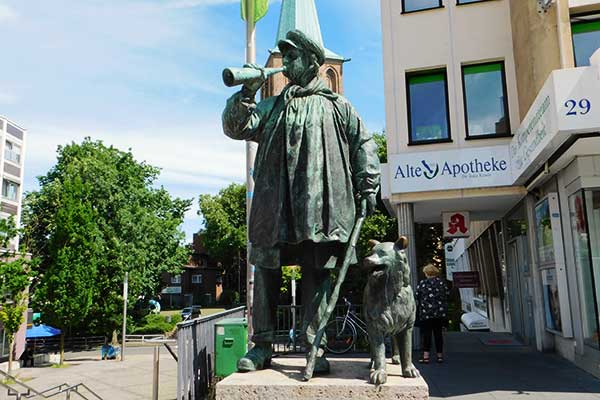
x=250, y=156
x=124, y=333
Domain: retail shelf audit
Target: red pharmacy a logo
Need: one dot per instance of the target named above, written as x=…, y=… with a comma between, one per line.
x=457, y=223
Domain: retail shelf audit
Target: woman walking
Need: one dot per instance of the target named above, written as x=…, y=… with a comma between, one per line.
x=432, y=311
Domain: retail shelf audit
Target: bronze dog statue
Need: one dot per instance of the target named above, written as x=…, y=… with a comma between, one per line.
x=389, y=308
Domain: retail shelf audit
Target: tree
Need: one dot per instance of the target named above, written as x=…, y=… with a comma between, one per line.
x=224, y=233
x=430, y=246
x=379, y=226
x=96, y=216
x=15, y=275
x=381, y=141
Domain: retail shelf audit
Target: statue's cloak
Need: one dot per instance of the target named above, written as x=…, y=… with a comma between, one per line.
x=314, y=158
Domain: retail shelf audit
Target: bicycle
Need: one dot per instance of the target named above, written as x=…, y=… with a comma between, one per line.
x=342, y=331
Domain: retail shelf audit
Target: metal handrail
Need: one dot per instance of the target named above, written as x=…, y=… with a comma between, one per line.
x=16, y=383
x=32, y=393
x=72, y=389
x=59, y=387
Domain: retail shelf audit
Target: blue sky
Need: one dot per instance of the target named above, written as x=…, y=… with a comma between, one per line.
x=145, y=75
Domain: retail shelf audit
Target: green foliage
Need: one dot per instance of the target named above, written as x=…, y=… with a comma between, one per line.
x=430, y=247
x=225, y=224
x=224, y=234
x=15, y=276
x=381, y=141
x=156, y=324
x=229, y=297
x=96, y=216
x=378, y=226
x=287, y=274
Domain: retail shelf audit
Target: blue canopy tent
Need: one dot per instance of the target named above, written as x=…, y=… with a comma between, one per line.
x=41, y=331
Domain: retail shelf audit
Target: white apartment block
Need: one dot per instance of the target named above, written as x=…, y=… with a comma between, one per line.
x=493, y=113
x=12, y=154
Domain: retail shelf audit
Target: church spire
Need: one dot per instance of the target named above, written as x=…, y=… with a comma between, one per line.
x=302, y=15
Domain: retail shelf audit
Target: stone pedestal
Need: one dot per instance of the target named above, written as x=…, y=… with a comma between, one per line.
x=348, y=380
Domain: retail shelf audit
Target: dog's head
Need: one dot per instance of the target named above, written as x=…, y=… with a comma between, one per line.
x=387, y=256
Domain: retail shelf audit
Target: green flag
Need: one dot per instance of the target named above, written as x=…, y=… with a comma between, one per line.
x=260, y=9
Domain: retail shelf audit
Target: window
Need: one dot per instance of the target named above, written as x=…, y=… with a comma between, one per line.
x=584, y=207
x=545, y=246
x=197, y=278
x=459, y=2
x=586, y=40
x=16, y=132
x=486, y=104
x=10, y=189
x=420, y=5
x=12, y=152
x=428, y=116
x=176, y=279
x=331, y=80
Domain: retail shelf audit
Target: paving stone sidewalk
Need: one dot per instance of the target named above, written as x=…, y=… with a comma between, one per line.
x=475, y=371
x=111, y=380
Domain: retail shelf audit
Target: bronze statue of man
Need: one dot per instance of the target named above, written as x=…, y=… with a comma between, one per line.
x=315, y=162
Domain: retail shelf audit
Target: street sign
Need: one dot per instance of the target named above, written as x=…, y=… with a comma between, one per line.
x=450, y=261
x=456, y=224
x=464, y=280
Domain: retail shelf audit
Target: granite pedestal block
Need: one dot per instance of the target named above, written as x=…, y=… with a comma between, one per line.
x=348, y=380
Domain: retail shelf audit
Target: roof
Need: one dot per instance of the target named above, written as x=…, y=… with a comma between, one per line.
x=302, y=15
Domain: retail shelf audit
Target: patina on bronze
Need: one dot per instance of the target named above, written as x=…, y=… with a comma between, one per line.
x=315, y=163
x=389, y=307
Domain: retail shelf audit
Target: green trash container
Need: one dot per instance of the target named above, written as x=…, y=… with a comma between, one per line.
x=231, y=343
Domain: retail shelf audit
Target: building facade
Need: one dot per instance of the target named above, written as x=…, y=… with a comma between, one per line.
x=492, y=112
x=12, y=157
x=200, y=282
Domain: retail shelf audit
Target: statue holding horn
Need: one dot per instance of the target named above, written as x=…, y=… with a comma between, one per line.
x=316, y=163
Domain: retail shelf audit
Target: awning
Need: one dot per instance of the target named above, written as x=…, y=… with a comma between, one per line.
x=42, y=331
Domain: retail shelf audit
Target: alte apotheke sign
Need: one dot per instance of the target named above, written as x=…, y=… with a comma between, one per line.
x=450, y=169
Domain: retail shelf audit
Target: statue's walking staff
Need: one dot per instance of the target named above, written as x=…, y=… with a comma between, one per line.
x=312, y=356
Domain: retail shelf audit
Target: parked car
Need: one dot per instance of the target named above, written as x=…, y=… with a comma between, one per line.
x=190, y=312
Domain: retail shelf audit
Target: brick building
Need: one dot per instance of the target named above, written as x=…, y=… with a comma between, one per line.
x=200, y=282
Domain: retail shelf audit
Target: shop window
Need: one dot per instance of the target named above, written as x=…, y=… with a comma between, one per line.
x=584, y=208
x=420, y=5
x=10, y=190
x=586, y=40
x=428, y=115
x=543, y=226
x=545, y=247
x=486, y=103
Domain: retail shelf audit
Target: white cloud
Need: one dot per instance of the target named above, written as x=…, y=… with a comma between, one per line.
x=199, y=157
x=198, y=3
x=7, y=13
x=7, y=98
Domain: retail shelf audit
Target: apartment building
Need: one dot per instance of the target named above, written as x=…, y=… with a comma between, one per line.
x=493, y=117
x=12, y=150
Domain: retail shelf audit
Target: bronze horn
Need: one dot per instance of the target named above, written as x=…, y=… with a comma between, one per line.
x=237, y=76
